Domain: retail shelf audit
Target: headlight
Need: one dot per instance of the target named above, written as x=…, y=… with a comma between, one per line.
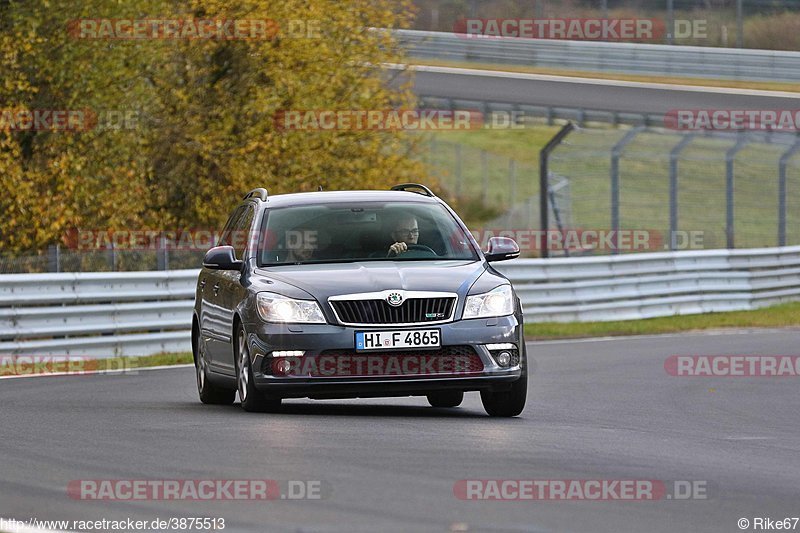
x=276, y=308
x=497, y=302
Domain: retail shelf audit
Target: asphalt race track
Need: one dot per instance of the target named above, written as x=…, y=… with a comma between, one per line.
x=606, y=95
x=599, y=409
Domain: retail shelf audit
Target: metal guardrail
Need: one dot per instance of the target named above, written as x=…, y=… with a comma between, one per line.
x=97, y=314
x=627, y=58
x=548, y=114
x=636, y=286
x=141, y=313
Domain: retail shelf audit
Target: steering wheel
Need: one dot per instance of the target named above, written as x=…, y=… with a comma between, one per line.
x=420, y=249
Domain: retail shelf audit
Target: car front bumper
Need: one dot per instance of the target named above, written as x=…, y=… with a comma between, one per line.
x=314, y=339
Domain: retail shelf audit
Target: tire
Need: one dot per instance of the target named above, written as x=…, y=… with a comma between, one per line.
x=446, y=398
x=209, y=393
x=252, y=399
x=507, y=403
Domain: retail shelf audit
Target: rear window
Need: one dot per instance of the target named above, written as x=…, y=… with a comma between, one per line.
x=362, y=232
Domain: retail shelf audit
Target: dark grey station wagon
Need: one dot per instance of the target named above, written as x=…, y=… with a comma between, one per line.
x=352, y=295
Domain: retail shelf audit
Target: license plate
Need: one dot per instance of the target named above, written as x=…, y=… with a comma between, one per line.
x=387, y=340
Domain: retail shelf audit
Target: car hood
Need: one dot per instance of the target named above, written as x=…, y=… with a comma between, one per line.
x=325, y=280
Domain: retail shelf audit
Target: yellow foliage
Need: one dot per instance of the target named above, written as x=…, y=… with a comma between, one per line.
x=203, y=110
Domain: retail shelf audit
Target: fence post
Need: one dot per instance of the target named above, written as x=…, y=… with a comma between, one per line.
x=616, y=153
x=529, y=224
x=512, y=181
x=544, y=185
x=730, y=156
x=784, y=161
x=485, y=176
x=673, y=188
x=739, y=25
x=512, y=191
x=458, y=169
x=162, y=254
x=557, y=216
x=54, y=258
x=670, y=21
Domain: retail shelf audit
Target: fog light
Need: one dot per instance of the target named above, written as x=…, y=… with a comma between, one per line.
x=283, y=367
x=503, y=358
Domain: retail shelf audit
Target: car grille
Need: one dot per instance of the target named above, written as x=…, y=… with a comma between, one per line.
x=411, y=311
x=448, y=360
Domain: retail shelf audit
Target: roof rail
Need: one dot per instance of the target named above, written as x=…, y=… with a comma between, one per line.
x=405, y=186
x=260, y=193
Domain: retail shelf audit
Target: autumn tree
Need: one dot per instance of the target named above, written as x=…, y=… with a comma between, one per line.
x=201, y=129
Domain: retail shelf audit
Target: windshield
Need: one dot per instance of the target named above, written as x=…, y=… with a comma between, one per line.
x=397, y=231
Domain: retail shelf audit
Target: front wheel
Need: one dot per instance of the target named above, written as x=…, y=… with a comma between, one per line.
x=507, y=403
x=252, y=399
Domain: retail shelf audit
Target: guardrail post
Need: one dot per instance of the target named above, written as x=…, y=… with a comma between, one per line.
x=784, y=161
x=544, y=185
x=673, y=189
x=616, y=153
x=730, y=156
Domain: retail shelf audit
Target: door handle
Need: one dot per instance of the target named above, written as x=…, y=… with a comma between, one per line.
x=202, y=284
x=216, y=289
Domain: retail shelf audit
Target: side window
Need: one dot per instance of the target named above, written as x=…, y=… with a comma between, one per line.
x=226, y=238
x=241, y=232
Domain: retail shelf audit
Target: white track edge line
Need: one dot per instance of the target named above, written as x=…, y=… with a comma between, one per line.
x=594, y=81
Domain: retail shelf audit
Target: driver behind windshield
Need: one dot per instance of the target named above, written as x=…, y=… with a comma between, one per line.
x=405, y=232
x=301, y=244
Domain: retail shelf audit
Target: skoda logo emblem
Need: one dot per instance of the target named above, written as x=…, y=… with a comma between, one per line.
x=394, y=299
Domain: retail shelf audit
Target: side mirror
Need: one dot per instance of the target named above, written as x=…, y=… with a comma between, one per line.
x=501, y=248
x=221, y=258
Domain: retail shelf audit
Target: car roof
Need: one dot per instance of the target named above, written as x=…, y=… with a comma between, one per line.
x=332, y=197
